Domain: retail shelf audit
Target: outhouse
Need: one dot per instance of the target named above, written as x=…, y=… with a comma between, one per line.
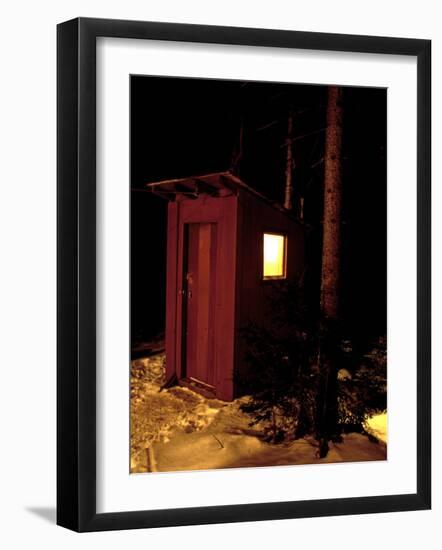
x=226, y=245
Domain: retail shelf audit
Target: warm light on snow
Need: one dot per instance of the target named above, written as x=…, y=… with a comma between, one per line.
x=175, y=429
x=274, y=252
x=377, y=426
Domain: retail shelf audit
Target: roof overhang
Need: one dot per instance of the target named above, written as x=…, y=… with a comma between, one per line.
x=218, y=184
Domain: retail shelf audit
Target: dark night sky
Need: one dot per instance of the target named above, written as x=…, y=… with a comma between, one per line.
x=185, y=127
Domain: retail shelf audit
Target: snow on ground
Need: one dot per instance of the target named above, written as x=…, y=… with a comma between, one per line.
x=177, y=429
x=377, y=426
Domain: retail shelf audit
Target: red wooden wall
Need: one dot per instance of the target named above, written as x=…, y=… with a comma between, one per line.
x=253, y=294
x=242, y=295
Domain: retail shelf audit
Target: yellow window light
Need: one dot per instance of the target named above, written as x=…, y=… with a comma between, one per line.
x=274, y=256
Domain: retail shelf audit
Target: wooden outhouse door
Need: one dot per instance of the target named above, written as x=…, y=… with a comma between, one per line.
x=201, y=291
x=199, y=300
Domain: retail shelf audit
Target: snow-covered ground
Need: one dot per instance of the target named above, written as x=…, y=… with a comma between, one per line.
x=377, y=426
x=177, y=429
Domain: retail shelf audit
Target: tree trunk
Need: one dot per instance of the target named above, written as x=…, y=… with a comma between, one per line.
x=237, y=153
x=327, y=420
x=289, y=165
x=331, y=247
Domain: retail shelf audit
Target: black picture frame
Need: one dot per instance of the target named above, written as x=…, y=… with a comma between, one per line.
x=76, y=272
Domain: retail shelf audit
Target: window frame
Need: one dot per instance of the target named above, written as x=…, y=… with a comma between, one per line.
x=282, y=277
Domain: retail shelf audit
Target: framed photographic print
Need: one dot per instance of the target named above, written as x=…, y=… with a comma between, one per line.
x=243, y=274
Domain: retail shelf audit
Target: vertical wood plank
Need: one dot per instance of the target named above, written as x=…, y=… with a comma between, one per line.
x=171, y=289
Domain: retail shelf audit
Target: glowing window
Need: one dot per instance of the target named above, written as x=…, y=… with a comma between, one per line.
x=274, y=256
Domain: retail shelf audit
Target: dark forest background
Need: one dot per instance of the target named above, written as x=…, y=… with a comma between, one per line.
x=183, y=127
